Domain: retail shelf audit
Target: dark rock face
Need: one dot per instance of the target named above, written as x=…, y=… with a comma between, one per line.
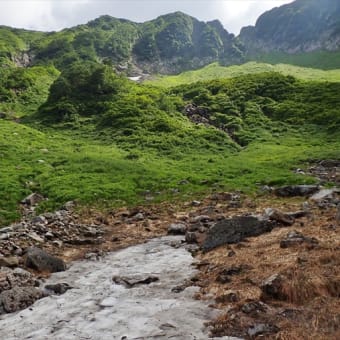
x=38, y=259
x=18, y=298
x=296, y=190
x=235, y=230
x=301, y=26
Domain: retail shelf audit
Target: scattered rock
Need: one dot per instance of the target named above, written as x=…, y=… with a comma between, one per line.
x=177, y=229
x=272, y=287
x=130, y=282
x=229, y=296
x=254, y=307
x=41, y=261
x=296, y=190
x=280, y=217
x=32, y=199
x=235, y=230
x=294, y=238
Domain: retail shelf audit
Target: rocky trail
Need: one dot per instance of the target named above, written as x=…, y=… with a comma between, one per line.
x=231, y=266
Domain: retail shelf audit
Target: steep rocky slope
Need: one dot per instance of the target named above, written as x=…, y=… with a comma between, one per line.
x=301, y=26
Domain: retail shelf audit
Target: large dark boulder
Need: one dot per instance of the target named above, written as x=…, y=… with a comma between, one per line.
x=234, y=230
x=38, y=259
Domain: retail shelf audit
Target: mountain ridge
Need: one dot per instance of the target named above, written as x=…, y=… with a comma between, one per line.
x=177, y=42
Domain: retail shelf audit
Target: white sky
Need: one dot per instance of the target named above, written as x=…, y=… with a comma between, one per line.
x=58, y=14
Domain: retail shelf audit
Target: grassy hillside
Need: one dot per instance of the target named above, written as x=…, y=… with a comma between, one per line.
x=216, y=71
x=103, y=140
x=23, y=90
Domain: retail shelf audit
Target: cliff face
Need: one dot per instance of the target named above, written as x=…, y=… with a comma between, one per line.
x=301, y=26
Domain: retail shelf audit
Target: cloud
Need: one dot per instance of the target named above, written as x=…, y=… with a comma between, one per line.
x=55, y=15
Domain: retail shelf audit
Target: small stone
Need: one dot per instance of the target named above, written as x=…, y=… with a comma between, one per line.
x=39, y=219
x=58, y=288
x=138, y=217
x=272, y=287
x=195, y=203
x=49, y=235
x=35, y=237
x=229, y=296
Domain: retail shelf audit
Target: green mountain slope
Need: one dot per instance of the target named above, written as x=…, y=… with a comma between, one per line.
x=167, y=44
x=103, y=140
x=216, y=71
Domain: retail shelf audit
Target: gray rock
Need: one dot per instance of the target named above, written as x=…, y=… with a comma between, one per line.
x=5, y=236
x=296, y=190
x=262, y=329
x=38, y=259
x=201, y=218
x=323, y=194
x=35, y=237
x=58, y=288
x=177, y=229
x=235, y=230
x=19, y=298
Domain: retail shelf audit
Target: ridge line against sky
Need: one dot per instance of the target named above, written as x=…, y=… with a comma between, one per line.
x=49, y=15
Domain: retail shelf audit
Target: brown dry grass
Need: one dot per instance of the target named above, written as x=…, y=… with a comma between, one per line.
x=311, y=285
